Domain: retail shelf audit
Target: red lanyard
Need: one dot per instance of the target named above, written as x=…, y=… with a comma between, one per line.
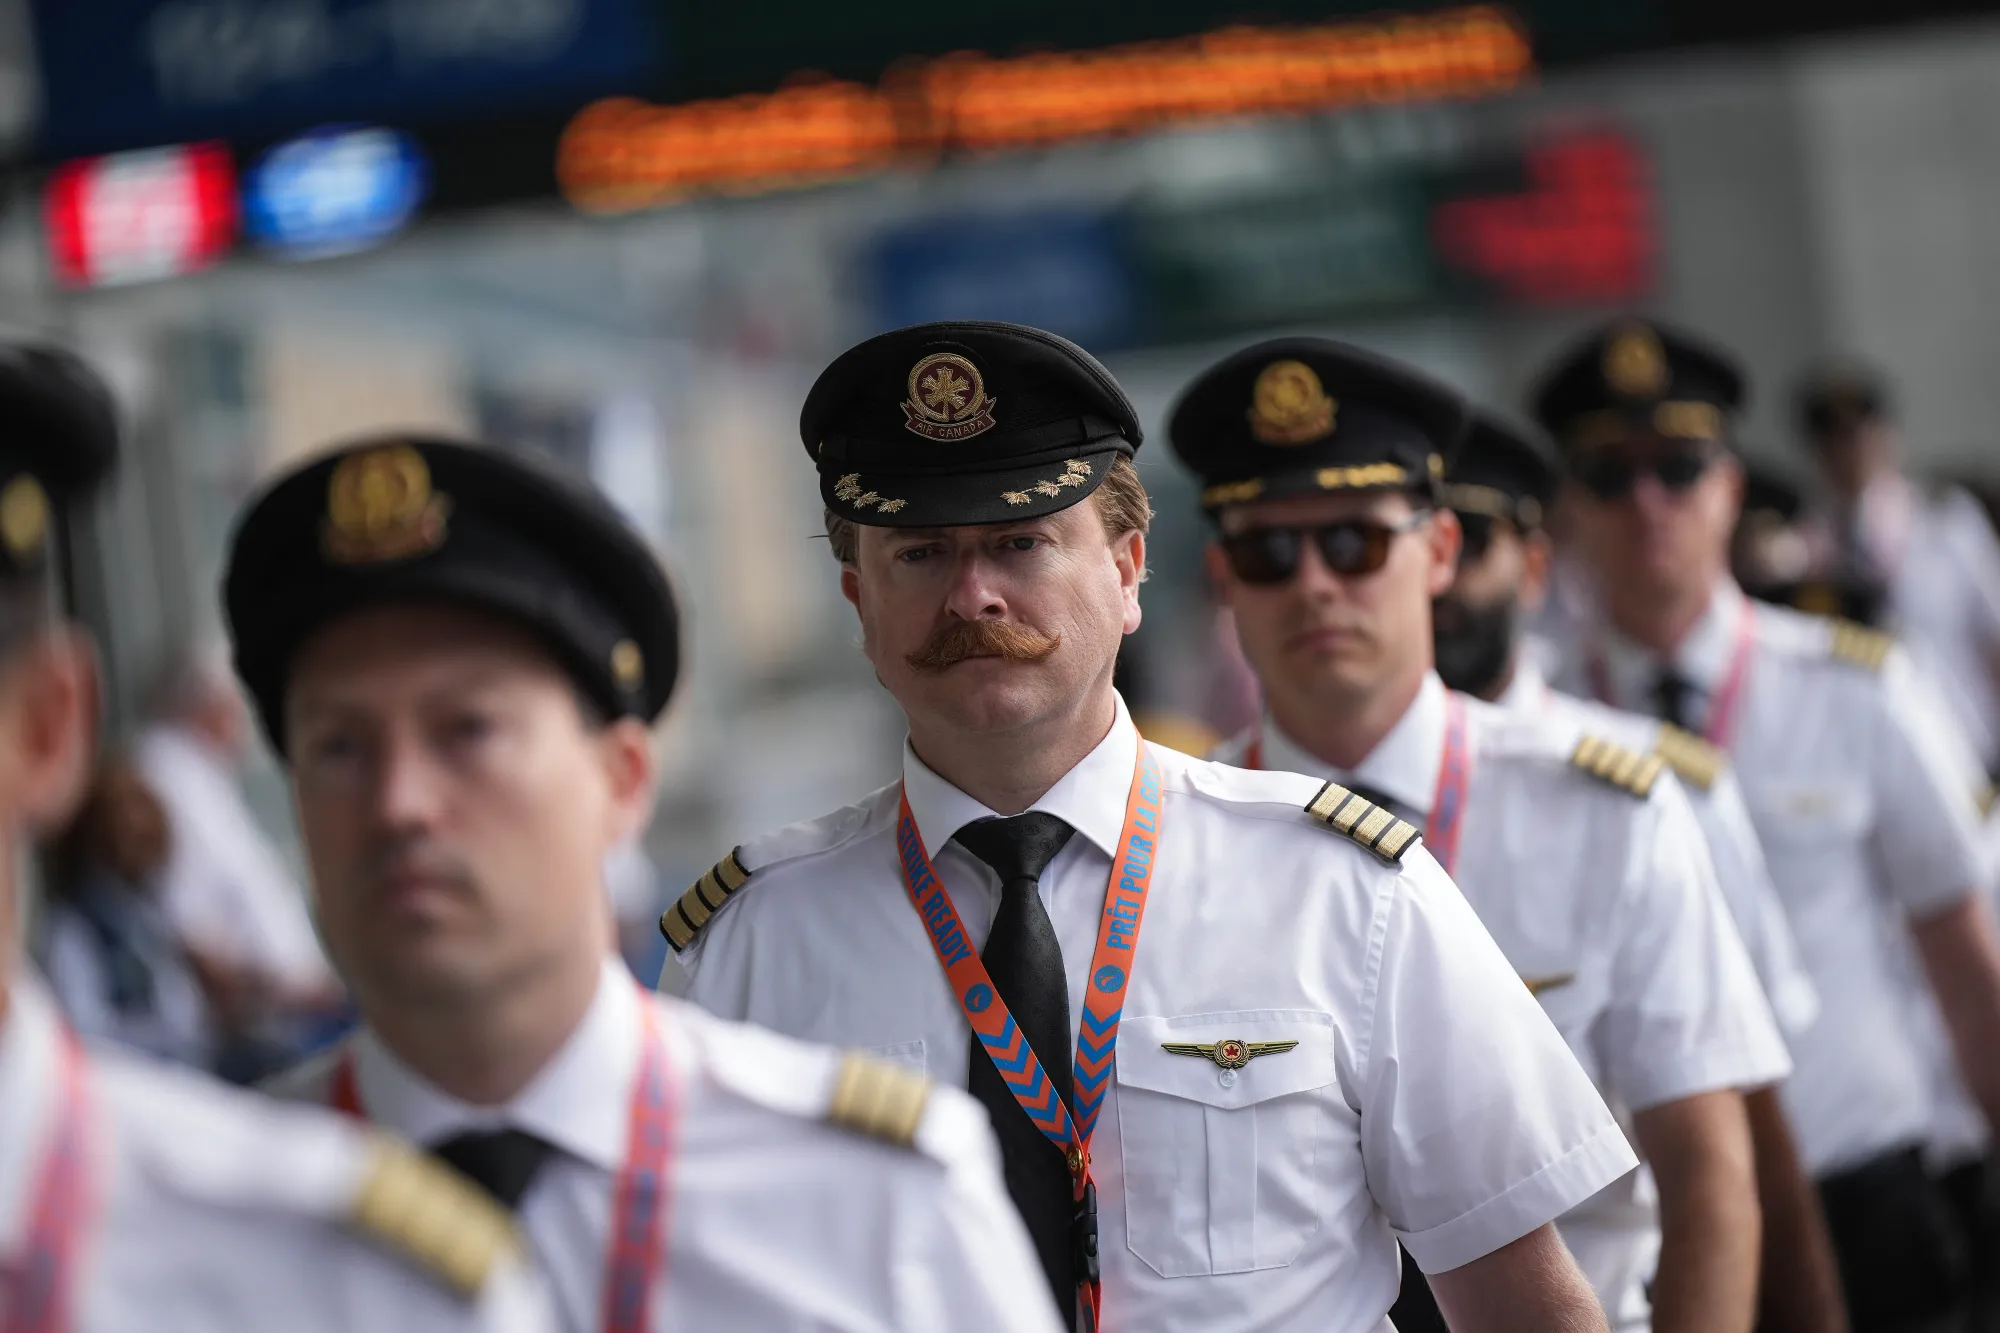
x=1104, y=998
x=38, y=1293
x=1447, y=814
x=1721, y=728
x=641, y=1194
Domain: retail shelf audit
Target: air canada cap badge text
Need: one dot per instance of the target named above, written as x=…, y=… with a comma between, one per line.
x=948, y=399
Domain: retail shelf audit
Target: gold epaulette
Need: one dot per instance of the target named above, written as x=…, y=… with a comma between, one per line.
x=876, y=1098
x=1860, y=645
x=1365, y=822
x=1694, y=760
x=684, y=920
x=1625, y=769
x=425, y=1211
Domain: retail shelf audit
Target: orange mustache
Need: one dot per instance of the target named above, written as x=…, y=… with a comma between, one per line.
x=982, y=638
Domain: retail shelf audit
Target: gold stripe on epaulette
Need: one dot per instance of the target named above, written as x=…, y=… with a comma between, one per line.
x=878, y=1099
x=1626, y=769
x=427, y=1212
x=1694, y=760
x=1365, y=822
x=1860, y=645
x=684, y=920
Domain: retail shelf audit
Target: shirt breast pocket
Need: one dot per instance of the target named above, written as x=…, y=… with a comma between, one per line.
x=1804, y=818
x=1227, y=1141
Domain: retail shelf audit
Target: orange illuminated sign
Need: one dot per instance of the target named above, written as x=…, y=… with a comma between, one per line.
x=622, y=154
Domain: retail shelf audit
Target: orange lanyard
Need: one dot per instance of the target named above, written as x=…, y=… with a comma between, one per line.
x=1103, y=1006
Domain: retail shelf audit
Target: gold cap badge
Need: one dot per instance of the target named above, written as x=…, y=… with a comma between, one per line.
x=948, y=399
x=628, y=665
x=1634, y=363
x=380, y=507
x=1288, y=406
x=24, y=517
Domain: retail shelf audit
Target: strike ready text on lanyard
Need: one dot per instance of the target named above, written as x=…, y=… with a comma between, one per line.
x=1447, y=813
x=641, y=1193
x=1103, y=1005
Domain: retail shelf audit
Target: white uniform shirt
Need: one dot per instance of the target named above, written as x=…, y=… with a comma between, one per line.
x=217, y=1211
x=225, y=887
x=1740, y=869
x=1428, y=1098
x=778, y=1220
x=1607, y=903
x=1941, y=561
x=1865, y=821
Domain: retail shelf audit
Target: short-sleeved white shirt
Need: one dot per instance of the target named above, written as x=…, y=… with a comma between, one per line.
x=1865, y=820
x=777, y=1219
x=217, y=1211
x=1606, y=903
x=1724, y=816
x=1428, y=1097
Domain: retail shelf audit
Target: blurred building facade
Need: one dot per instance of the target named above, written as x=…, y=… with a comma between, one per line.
x=1817, y=195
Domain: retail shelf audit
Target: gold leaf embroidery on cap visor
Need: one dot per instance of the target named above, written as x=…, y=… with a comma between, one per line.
x=848, y=491
x=1075, y=472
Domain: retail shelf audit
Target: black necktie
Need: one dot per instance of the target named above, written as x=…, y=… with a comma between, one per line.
x=1674, y=696
x=1026, y=965
x=503, y=1162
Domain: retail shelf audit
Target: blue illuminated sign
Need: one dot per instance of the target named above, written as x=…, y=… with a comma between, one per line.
x=333, y=191
x=129, y=73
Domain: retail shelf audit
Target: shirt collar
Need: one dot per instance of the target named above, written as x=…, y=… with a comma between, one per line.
x=577, y=1102
x=1403, y=765
x=1528, y=691
x=1702, y=656
x=1090, y=798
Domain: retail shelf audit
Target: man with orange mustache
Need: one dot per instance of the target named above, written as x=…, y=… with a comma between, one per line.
x=1317, y=1049
x=457, y=655
x=1321, y=464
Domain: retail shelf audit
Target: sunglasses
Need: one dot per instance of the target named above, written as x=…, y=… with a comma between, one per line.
x=1349, y=548
x=1609, y=477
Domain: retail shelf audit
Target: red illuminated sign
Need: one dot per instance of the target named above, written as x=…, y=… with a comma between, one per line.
x=134, y=217
x=1581, y=232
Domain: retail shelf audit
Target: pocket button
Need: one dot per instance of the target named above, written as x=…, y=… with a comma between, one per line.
x=1228, y=1079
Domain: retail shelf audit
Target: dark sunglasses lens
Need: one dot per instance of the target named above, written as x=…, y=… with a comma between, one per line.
x=1478, y=530
x=1263, y=555
x=1354, y=548
x=1606, y=478
x=1680, y=471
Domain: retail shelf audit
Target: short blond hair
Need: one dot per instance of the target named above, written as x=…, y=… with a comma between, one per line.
x=1121, y=502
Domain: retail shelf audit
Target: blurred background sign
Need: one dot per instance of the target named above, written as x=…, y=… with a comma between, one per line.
x=130, y=73
x=333, y=191
x=1564, y=221
x=134, y=217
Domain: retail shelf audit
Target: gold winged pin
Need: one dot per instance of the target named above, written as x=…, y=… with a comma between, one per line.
x=1231, y=1053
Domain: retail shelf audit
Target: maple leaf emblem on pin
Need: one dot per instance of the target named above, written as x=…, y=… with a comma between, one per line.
x=944, y=391
x=1230, y=1053
x=947, y=399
